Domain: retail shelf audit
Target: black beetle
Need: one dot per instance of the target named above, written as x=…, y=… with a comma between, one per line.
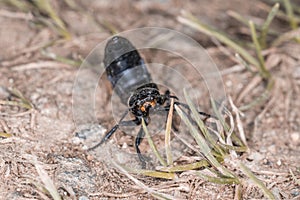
x=128, y=74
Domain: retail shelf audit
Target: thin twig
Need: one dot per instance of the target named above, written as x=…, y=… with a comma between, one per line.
x=39, y=65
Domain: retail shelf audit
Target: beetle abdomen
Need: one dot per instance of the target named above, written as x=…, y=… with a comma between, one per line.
x=125, y=68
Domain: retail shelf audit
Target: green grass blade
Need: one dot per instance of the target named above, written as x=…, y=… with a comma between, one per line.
x=218, y=114
x=45, y=6
x=257, y=182
x=182, y=168
x=290, y=13
x=261, y=67
x=155, y=174
x=245, y=21
x=201, y=125
x=151, y=191
x=204, y=147
x=265, y=27
x=291, y=17
x=152, y=145
x=217, y=180
x=234, y=148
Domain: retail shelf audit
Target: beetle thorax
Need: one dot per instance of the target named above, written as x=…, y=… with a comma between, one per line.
x=141, y=101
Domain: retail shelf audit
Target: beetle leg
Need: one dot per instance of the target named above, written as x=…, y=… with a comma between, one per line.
x=105, y=138
x=138, y=141
x=113, y=130
x=189, y=110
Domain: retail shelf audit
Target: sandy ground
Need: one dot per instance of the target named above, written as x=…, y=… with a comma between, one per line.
x=44, y=138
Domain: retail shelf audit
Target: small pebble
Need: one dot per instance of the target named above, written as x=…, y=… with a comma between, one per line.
x=4, y=94
x=90, y=157
x=124, y=146
x=266, y=162
x=295, y=192
x=256, y=156
x=228, y=83
x=279, y=162
x=272, y=149
x=83, y=198
x=295, y=137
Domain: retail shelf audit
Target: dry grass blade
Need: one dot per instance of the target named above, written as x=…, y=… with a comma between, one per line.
x=151, y=191
x=229, y=135
x=202, y=126
x=156, y=174
x=238, y=193
x=246, y=90
x=109, y=26
x=39, y=65
x=297, y=180
x=182, y=168
x=243, y=62
x=204, y=147
x=217, y=180
x=23, y=103
x=62, y=59
x=20, y=4
x=234, y=148
x=256, y=181
x=226, y=127
x=168, y=134
x=15, y=103
x=188, y=144
x=5, y=135
x=42, y=9
x=286, y=37
x=219, y=116
x=261, y=98
x=191, y=21
x=152, y=145
x=45, y=6
x=48, y=184
x=238, y=121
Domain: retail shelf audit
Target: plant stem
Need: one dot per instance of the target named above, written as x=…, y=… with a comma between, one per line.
x=261, y=67
x=265, y=28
